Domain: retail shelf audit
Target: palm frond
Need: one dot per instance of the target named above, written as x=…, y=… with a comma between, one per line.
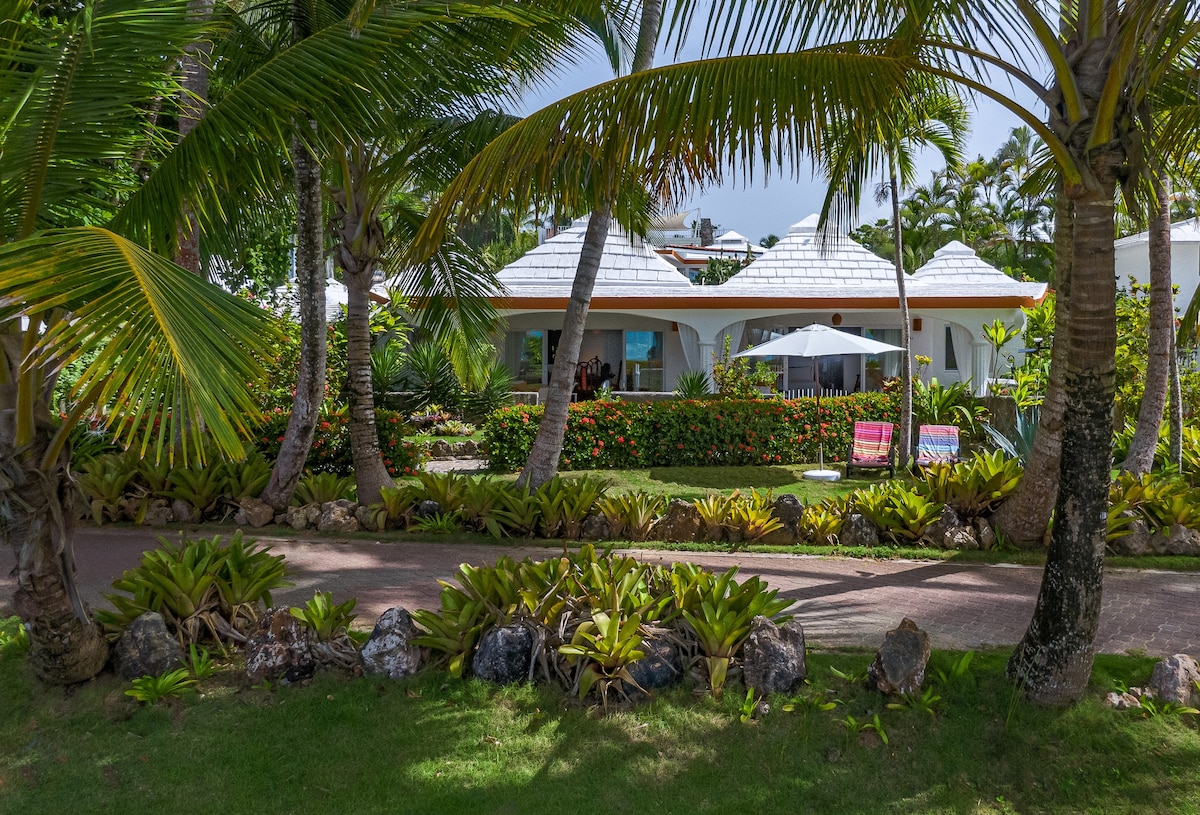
x=173, y=354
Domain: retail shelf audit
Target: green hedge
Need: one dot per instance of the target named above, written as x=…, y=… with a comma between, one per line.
x=330, y=452
x=619, y=435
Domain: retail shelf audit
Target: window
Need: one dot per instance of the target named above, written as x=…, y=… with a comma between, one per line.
x=523, y=355
x=951, y=360
x=643, y=360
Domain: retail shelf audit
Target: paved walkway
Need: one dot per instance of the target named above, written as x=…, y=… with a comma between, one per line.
x=840, y=602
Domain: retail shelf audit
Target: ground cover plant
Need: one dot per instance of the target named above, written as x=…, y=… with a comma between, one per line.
x=460, y=746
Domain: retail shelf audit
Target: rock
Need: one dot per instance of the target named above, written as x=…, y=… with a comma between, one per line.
x=338, y=517
x=427, y=509
x=158, y=515
x=985, y=533
x=440, y=449
x=1137, y=542
x=899, y=666
x=131, y=508
x=681, y=522
x=297, y=517
x=312, y=514
x=365, y=519
x=773, y=659
x=789, y=510
x=254, y=513
x=1182, y=541
x=389, y=650
x=182, y=512
x=595, y=528
x=465, y=449
x=281, y=518
x=279, y=649
x=780, y=537
x=146, y=648
x=858, y=531
x=1174, y=679
x=503, y=655
x=950, y=532
x=659, y=668
x=1121, y=701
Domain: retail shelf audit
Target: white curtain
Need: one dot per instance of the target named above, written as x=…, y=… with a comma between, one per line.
x=734, y=331
x=689, y=338
x=961, y=338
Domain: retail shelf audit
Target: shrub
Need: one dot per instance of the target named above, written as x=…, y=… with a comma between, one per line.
x=619, y=435
x=330, y=451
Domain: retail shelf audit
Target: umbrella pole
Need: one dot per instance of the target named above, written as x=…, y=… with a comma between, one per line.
x=820, y=429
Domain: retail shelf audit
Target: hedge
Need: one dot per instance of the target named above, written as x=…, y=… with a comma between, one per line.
x=330, y=451
x=620, y=435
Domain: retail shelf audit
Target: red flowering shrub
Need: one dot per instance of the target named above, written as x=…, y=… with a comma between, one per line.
x=330, y=452
x=617, y=435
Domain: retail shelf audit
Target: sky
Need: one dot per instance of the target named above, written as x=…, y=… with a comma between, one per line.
x=772, y=208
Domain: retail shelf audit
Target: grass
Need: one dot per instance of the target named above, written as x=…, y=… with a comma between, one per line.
x=432, y=745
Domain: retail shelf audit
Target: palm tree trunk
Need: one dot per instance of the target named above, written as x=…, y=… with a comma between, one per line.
x=370, y=474
x=1053, y=661
x=65, y=645
x=1024, y=517
x=310, y=379
x=906, y=375
x=1176, y=407
x=359, y=236
x=1140, y=458
x=542, y=463
x=194, y=95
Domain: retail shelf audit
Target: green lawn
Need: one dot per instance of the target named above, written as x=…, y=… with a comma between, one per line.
x=439, y=746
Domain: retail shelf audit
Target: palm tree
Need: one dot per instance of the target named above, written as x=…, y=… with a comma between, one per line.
x=1109, y=58
x=542, y=462
x=173, y=355
x=1161, y=340
x=938, y=119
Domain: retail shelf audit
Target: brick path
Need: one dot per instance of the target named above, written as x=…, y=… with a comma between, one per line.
x=840, y=602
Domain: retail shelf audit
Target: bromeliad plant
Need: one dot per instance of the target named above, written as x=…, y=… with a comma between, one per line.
x=592, y=613
x=202, y=589
x=901, y=514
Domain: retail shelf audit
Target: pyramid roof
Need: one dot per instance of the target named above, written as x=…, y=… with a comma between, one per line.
x=627, y=262
x=802, y=260
x=956, y=270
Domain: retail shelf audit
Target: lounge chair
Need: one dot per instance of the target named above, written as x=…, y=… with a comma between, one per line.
x=872, y=448
x=937, y=444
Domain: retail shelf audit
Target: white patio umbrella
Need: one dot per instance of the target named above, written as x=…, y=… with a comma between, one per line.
x=818, y=341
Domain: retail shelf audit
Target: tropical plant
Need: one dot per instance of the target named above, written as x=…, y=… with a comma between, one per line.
x=104, y=482
x=751, y=517
x=692, y=385
x=321, y=488
x=853, y=725
x=200, y=662
x=606, y=645
x=901, y=514
x=199, y=486
x=150, y=690
x=439, y=523
x=326, y=619
x=632, y=514
x=719, y=611
x=714, y=512
x=395, y=506
x=822, y=523
x=1019, y=444
x=954, y=404
x=200, y=588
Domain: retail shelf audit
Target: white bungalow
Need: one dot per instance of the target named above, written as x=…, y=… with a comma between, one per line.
x=650, y=324
x=1133, y=259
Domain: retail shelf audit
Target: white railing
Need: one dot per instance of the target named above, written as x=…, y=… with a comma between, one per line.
x=798, y=393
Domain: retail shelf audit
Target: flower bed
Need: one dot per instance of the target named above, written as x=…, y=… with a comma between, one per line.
x=331, y=444
x=613, y=435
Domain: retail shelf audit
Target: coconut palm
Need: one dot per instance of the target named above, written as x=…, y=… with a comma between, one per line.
x=1110, y=62
x=939, y=120
x=171, y=356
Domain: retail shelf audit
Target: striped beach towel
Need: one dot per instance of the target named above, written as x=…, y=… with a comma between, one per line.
x=872, y=443
x=937, y=443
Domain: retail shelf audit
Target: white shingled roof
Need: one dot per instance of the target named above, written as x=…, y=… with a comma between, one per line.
x=627, y=262
x=956, y=271
x=800, y=261
x=1182, y=232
